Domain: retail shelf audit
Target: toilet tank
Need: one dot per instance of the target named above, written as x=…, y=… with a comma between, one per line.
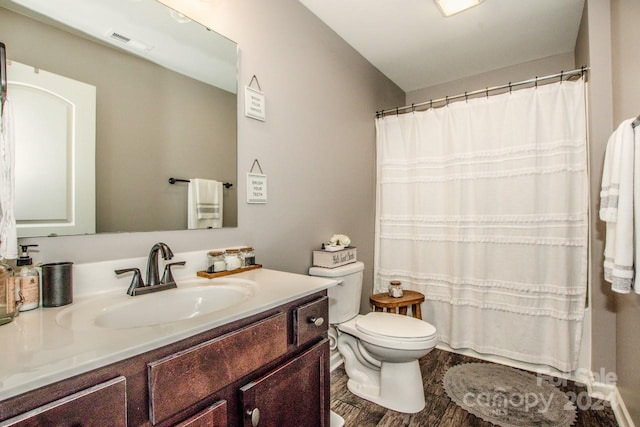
x=344, y=298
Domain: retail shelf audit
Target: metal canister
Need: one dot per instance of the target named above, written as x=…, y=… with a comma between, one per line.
x=57, y=284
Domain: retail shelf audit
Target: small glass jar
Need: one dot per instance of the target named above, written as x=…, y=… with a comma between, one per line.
x=232, y=259
x=216, y=262
x=8, y=295
x=247, y=256
x=395, y=289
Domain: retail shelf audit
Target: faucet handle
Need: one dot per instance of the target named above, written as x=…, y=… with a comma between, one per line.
x=167, y=276
x=136, y=282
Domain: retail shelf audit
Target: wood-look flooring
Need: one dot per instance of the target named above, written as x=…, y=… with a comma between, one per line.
x=440, y=411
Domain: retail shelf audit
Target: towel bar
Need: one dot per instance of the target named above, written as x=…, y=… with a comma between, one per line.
x=174, y=180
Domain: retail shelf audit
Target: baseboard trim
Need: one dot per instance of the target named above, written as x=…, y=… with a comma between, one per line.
x=611, y=394
x=335, y=361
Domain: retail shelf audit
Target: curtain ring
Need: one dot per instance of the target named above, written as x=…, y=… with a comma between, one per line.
x=536, y=82
x=561, y=74
x=431, y=103
x=487, y=90
x=446, y=101
x=510, y=88
x=466, y=98
x=397, y=112
x=413, y=108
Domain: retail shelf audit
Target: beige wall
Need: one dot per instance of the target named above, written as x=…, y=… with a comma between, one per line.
x=151, y=124
x=607, y=31
x=625, y=34
x=317, y=146
x=594, y=48
x=527, y=70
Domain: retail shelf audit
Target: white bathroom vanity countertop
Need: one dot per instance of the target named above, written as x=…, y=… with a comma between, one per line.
x=35, y=350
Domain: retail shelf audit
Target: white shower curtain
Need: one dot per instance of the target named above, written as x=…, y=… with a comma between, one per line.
x=483, y=207
x=8, y=236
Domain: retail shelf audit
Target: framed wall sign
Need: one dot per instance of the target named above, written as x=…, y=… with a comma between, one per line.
x=254, y=104
x=256, y=188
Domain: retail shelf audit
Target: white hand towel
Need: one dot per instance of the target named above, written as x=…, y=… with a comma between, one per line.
x=207, y=198
x=205, y=204
x=619, y=245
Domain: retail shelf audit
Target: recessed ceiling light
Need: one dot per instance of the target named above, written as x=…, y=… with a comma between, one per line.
x=451, y=7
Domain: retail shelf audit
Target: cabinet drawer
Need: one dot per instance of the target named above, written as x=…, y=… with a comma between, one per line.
x=311, y=321
x=104, y=404
x=184, y=378
x=213, y=416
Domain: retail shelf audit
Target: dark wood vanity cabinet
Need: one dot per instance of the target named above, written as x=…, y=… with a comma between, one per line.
x=276, y=362
x=213, y=416
x=104, y=404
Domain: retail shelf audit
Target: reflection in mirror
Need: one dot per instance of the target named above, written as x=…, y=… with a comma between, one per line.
x=156, y=117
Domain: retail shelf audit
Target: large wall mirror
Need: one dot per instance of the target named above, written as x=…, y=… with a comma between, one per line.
x=165, y=99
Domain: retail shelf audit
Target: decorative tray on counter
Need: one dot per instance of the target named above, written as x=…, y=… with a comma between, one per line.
x=227, y=273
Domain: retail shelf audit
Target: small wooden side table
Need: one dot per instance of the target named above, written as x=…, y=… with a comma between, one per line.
x=398, y=305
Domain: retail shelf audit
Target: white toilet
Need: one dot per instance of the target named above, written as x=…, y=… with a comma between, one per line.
x=380, y=350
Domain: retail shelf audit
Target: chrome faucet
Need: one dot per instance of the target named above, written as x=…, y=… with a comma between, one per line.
x=154, y=284
x=153, y=277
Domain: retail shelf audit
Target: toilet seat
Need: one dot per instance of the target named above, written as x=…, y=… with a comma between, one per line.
x=388, y=325
x=386, y=330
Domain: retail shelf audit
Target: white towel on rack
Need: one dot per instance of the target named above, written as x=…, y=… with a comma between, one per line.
x=205, y=203
x=610, y=185
x=207, y=198
x=617, y=208
x=8, y=235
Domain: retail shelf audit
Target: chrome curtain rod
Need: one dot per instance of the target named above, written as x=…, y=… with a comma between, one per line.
x=410, y=108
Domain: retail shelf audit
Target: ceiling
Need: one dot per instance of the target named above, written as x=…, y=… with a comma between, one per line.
x=178, y=44
x=416, y=47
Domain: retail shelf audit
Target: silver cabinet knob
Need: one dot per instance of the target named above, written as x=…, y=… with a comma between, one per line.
x=255, y=416
x=318, y=321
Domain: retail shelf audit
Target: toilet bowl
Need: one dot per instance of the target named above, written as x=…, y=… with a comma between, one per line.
x=380, y=350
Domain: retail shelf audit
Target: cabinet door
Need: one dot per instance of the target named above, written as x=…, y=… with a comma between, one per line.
x=102, y=405
x=295, y=394
x=213, y=416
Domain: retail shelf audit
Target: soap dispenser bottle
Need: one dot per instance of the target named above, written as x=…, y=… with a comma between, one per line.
x=27, y=280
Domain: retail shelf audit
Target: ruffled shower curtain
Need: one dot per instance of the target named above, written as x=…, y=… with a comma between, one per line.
x=483, y=207
x=8, y=236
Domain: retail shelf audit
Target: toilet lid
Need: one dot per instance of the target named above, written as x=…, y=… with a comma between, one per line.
x=395, y=326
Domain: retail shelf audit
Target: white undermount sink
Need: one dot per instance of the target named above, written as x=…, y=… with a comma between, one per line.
x=192, y=299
